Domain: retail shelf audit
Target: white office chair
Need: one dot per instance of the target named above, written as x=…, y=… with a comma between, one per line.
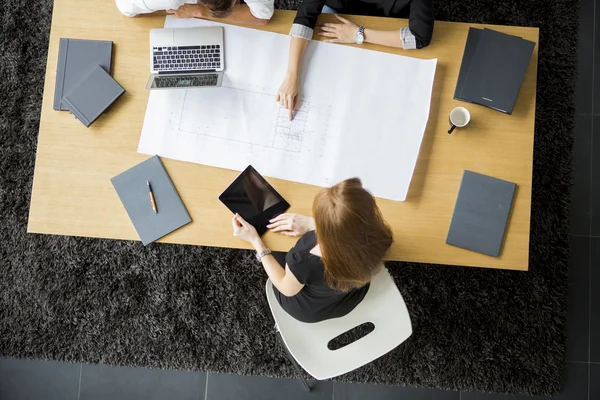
x=307, y=343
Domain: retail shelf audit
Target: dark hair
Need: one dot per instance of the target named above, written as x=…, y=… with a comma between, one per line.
x=219, y=8
x=352, y=235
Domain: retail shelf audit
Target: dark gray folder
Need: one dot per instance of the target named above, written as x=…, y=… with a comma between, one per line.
x=133, y=191
x=76, y=58
x=497, y=70
x=481, y=213
x=92, y=95
x=470, y=48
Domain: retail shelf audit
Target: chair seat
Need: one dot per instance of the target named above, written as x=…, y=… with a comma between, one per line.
x=383, y=306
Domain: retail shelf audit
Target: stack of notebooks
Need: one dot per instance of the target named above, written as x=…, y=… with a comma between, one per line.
x=492, y=69
x=83, y=82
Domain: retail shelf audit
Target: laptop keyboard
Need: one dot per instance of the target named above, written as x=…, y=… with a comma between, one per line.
x=185, y=81
x=187, y=58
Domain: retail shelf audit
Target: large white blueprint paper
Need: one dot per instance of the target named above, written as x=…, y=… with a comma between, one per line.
x=362, y=113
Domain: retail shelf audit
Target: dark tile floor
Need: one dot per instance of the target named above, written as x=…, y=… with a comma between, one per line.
x=49, y=380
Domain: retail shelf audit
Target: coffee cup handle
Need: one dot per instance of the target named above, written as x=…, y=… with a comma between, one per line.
x=451, y=128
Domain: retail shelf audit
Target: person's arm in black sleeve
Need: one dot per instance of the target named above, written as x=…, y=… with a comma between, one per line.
x=306, y=18
x=416, y=36
x=301, y=33
x=420, y=25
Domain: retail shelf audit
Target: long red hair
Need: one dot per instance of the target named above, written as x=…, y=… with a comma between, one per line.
x=352, y=235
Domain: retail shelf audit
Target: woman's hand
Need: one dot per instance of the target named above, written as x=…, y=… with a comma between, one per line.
x=189, y=11
x=339, y=33
x=243, y=230
x=287, y=94
x=292, y=224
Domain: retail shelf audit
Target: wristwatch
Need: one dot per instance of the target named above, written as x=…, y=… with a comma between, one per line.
x=261, y=254
x=360, y=35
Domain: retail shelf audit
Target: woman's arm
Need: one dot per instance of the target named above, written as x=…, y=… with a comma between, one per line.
x=240, y=15
x=384, y=38
x=301, y=33
x=416, y=36
x=287, y=94
x=292, y=224
x=283, y=279
x=420, y=25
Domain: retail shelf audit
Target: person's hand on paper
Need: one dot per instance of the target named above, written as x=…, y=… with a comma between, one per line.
x=287, y=94
x=190, y=11
x=243, y=230
x=292, y=224
x=339, y=33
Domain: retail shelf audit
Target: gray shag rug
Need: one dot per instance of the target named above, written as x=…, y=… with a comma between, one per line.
x=184, y=307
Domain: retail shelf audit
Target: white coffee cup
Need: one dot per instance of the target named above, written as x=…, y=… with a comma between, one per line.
x=459, y=117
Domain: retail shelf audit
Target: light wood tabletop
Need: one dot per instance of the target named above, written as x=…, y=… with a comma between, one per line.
x=72, y=193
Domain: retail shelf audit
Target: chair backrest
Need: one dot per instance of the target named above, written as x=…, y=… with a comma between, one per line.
x=383, y=306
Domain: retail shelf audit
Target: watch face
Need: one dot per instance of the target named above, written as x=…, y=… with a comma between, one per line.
x=360, y=38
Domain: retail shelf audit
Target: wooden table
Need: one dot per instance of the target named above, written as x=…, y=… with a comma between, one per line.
x=72, y=193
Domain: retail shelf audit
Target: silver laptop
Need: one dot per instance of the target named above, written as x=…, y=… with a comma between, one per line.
x=186, y=58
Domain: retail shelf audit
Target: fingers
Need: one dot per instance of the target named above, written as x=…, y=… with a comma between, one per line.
x=286, y=101
x=279, y=224
x=280, y=217
x=326, y=28
x=289, y=104
x=235, y=225
x=283, y=228
x=277, y=97
x=331, y=41
x=240, y=220
x=344, y=20
x=275, y=224
x=281, y=98
x=296, y=100
x=288, y=233
x=328, y=34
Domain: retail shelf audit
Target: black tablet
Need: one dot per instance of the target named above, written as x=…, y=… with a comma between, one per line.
x=251, y=196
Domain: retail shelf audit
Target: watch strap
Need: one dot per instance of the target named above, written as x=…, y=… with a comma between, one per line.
x=360, y=33
x=261, y=254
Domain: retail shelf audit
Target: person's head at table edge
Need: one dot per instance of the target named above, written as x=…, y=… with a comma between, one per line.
x=352, y=234
x=219, y=8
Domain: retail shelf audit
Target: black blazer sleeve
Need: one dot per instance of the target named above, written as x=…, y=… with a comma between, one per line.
x=308, y=12
x=420, y=21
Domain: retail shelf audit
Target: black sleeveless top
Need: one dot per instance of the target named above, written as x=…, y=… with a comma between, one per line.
x=316, y=301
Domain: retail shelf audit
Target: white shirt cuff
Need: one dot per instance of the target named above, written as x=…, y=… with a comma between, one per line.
x=408, y=39
x=261, y=9
x=301, y=31
x=131, y=8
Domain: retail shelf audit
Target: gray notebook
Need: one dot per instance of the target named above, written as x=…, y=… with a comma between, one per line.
x=89, y=98
x=497, y=70
x=133, y=191
x=76, y=58
x=481, y=213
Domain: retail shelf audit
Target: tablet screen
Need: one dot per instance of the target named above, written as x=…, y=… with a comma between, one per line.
x=251, y=196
